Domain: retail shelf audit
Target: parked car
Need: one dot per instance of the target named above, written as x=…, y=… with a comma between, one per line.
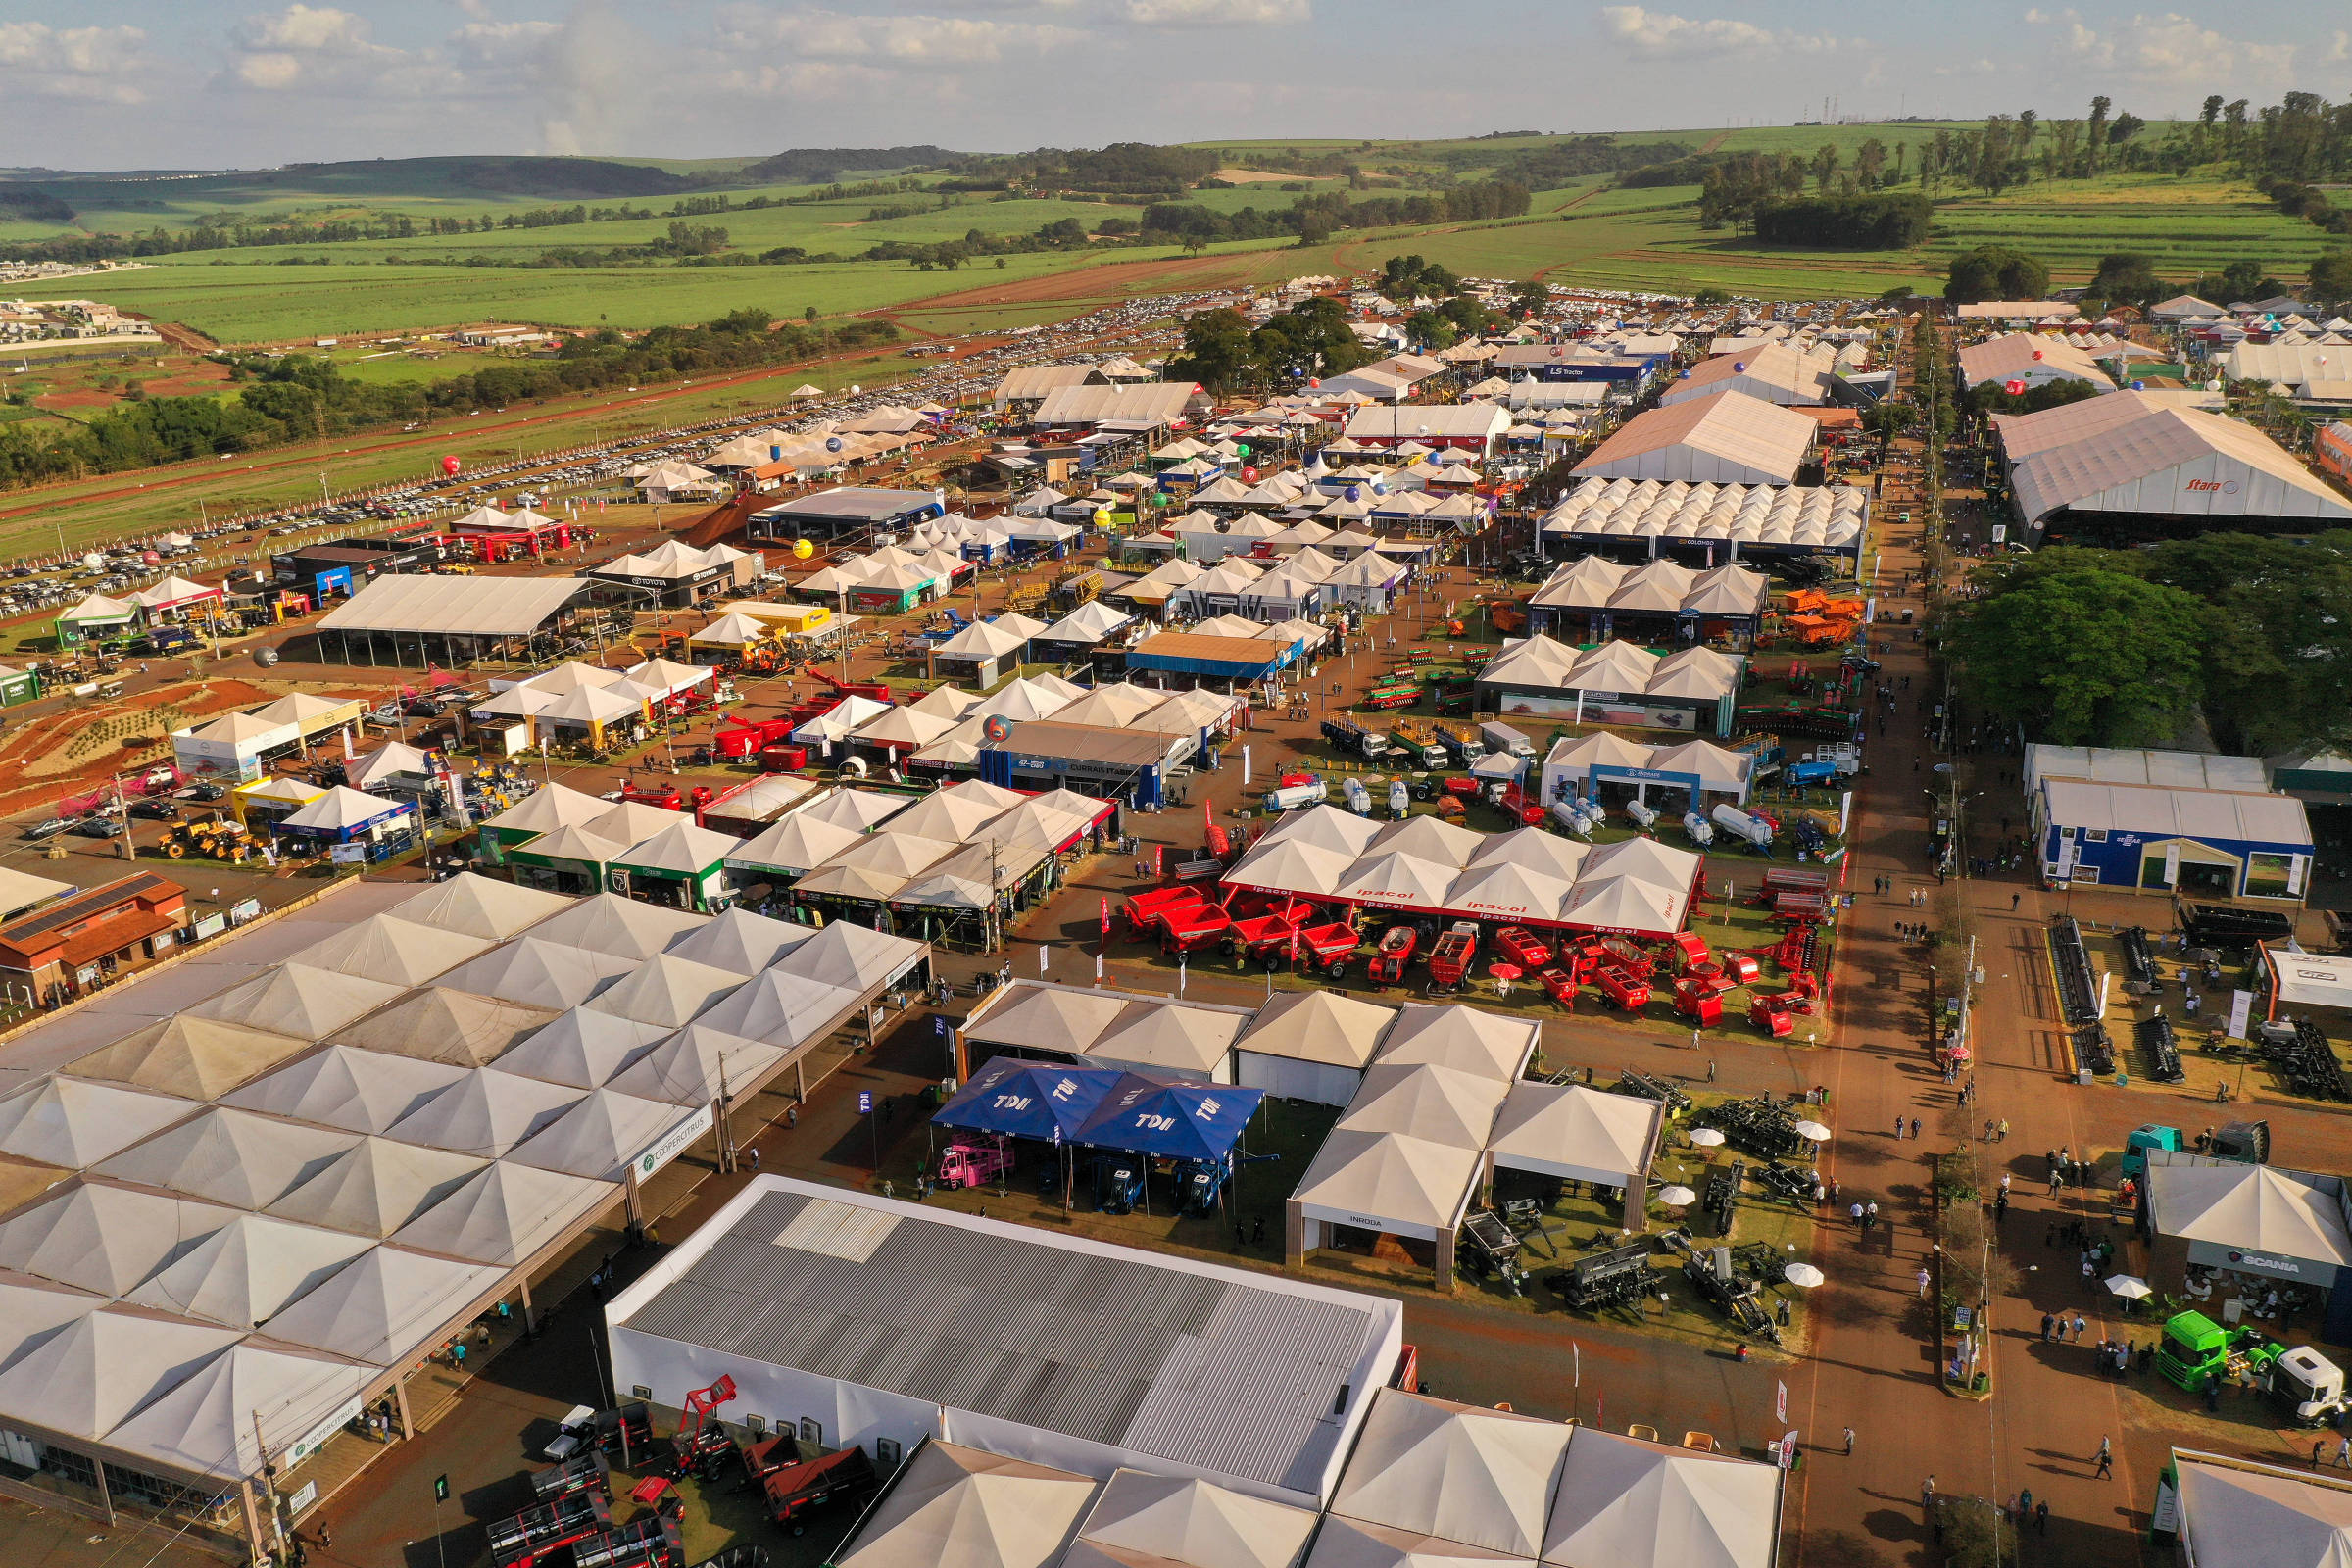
x=47, y=830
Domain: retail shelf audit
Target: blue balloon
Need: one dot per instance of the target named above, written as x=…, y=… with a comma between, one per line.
x=1684, y=377
x=2139, y=386
x=832, y=443
x=1379, y=488
x=1739, y=364
x=1354, y=492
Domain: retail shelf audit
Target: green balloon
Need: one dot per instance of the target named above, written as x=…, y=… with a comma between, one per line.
x=1159, y=498
x=1241, y=447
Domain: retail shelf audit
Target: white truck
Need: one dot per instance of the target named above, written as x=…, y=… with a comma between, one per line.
x=1702, y=832
x=1291, y=796
x=1506, y=740
x=1359, y=798
x=1752, y=830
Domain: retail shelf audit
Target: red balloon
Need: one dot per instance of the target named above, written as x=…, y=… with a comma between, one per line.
x=2015, y=388
x=2038, y=354
x=1315, y=380
x=1250, y=474
x=450, y=466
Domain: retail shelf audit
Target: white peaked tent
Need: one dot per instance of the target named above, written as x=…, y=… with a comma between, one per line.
x=486, y=1113
x=392, y=760
x=2237, y=1514
x=548, y=808
x=1626, y=1503
x=583, y=1048
x=1310, y=1045
x=357, y=1091
x=668, y=991
x=74, y=1123
x=1353, y=1543
x=2251, y=1208
x=247, y=1270
x=740, y=942
x=294, y=998
x=850, y=955
x=692, y=1067
x=397, y=952
x=949, y=816
x=505, y=1214
x=95, y=1372
x=480, y=906
x=1387, y=1182
x=539, y=972
x=1460, y=1037
x=959, y=1508
x=1578, y=1132
x=793, y=845
x=230, y=1156
x=438, y=1024
x=215, y=1422
x=625, y=928
x=781, y=1009
x=106, y=1239
x=602, y=1135
x=377, y=1187
x=1441, y=1104
x=857, y=809
x=343, y=807
x=1139, y=1517
x=385, y=1307
x=200, y=1058
x=1480, y=1477
x=32, y=1309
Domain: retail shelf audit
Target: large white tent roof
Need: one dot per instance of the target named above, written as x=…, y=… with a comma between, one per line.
x=343, y=1085
x=625, y=928
x=602, y=1135
x=505, y=1214
x=1575, y=1132
x=585, y=1047
x=483, y=906
x=1182, y=1519
x=539, y=972
x=215, y=1422
x=105, y=1238
x=668, y=991
x=486, y=1113
x=2236, y=1514
x=376, y=1186
x=440, y=1024
x=247, y=1270
x=197, y=1059
x=75, y=1122
x=397, y=952
x=295, y=999
x=103, y=1367
x=1317, y=1026
x=1352, y=1544
x=959, y=1508
x=1626, y=1503
x=1386, y=1181
x=384, y=1306
x=2250, y=1207
x=1480, y=1477
x=695, y=1066
x=226, y=1156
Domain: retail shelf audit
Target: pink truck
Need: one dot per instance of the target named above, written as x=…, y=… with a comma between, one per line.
x=963, y=1164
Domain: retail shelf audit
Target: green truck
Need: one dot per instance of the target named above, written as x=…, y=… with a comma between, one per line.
x=2246, y=1142
x=2196, y=1349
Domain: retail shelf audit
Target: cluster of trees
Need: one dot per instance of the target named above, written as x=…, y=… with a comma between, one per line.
x=1313, y=338
x=1993, y=398
x=1315, y=218
x=1132, y=167
x=1886, y=221
x=806, y=165
x=1733, y=188
x=2129, y=277
x=1549, y=168
x=1995, y=272
x=2250, y=635
x=300, y=398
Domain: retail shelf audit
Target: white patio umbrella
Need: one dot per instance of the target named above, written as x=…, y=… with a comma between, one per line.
x=2129, y=1285
x=1804, y=1276
x=1705, y=1137
x=1677, y=1197
x=1814, y=1131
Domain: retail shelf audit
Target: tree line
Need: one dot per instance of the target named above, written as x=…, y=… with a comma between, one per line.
x=300, y=397
x=2129, y=277
x=1315, y=217
x=2249, y=636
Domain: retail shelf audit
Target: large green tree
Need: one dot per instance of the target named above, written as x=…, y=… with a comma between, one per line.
x=2280, y=646
x=2086, y=657
x=1995, y=272
x=1216, y=350
x=2332, y=276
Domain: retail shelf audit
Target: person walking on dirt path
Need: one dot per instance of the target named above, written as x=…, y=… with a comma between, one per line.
x=1849, y=1443
x=2106, y=1459
x=1923, y=1284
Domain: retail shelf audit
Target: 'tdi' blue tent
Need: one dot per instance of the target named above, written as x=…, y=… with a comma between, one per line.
x=1018, y=1099
x=1171, y=1121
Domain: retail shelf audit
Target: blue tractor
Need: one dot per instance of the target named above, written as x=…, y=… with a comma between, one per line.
x=1118, y=1183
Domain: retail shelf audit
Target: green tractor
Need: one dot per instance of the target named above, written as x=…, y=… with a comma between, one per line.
x=2196, y=1349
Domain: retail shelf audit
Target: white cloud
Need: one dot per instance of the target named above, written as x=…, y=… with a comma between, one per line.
x=1663, y=34
x=305, y=46
x=2165, y=48
x=1218, y=13
x=923, y=41
x=39, y=61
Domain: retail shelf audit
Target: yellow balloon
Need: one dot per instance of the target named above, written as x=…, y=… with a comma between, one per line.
x=802, y=550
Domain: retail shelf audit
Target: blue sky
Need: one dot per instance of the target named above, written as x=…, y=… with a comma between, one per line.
x=122, y=83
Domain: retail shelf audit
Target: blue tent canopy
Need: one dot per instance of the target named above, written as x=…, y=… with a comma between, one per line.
x=1018, y=1099
x=1171, y=1121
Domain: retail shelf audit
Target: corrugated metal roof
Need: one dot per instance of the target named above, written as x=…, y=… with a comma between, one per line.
x=2151, y=810
x=1125, y=1351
